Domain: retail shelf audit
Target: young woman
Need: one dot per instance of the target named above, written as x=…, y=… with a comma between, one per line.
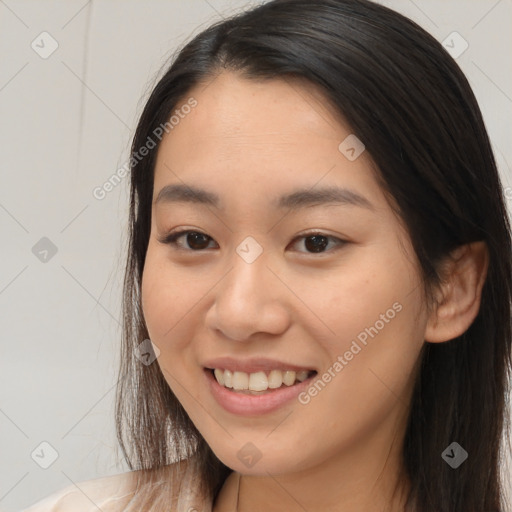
x=320, y=254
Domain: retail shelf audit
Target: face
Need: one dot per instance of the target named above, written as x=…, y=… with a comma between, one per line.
x=269, y=280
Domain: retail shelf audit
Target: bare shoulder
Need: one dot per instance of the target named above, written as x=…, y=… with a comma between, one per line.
x=118, y=493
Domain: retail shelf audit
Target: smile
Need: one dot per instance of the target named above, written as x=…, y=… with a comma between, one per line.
x=255, y=395
x=259, y=382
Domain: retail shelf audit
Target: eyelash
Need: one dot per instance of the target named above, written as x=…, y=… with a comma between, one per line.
x=171, y=239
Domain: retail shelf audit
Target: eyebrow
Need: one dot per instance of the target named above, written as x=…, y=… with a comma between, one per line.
x=296, y=200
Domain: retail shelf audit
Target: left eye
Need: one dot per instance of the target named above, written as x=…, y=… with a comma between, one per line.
x=197, y=241
x=317, y=242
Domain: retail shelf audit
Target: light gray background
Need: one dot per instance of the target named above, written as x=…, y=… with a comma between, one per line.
x=65, y=128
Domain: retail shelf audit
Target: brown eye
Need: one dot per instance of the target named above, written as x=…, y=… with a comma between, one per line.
x=197, y=241
x=194, y=240
x=317, y=242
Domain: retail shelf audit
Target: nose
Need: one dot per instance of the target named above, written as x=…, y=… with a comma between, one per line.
x=249, y=299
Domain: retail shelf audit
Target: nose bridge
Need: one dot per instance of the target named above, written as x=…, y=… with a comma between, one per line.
x=246, y=300
x=246, y=283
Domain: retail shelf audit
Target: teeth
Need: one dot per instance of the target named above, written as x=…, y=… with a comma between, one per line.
x=275, y=379
x=289, y=377
x=259, y=381
x=302, y=375
x=240, y=380
x=228, y=379
x=219, y=375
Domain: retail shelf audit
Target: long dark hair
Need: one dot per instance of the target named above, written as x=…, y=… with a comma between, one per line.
x=411, y=105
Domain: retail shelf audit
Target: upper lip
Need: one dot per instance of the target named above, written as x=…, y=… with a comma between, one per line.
x=252, y=365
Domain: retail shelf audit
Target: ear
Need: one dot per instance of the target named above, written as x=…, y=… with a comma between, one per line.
x=459, y=296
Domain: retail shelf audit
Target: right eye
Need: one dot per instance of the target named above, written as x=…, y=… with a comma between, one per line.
x=195, y=239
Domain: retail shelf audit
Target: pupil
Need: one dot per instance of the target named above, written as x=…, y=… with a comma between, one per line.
x=192, y=243
x=319, y=243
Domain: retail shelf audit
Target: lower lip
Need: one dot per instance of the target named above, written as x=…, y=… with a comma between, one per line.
x=254, y=405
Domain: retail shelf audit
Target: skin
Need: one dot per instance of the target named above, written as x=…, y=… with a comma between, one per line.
x=249, y=142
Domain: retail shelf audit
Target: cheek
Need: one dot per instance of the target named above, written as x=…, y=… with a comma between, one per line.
x=153, y=296
x=167, y=303
x=171, y=295
x=366, y=290
x=163, y=298
x=373, y=310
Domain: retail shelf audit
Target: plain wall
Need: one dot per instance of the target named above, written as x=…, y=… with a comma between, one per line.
x=65, y=128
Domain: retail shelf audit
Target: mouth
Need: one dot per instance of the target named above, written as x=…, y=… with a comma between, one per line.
x=261, y=382
x=256, y=393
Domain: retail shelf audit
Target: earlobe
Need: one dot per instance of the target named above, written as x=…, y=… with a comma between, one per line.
x=459, y=297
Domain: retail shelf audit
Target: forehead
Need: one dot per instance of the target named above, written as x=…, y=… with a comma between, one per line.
x=230, y=104
x=256, y=136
